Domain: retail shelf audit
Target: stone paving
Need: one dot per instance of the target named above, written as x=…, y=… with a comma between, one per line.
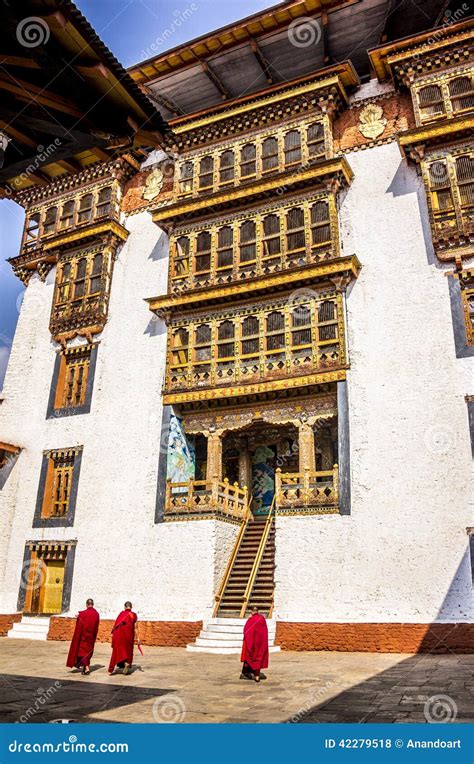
x=170, y=684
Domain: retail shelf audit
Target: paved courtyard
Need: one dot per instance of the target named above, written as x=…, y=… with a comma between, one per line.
x=172, y=685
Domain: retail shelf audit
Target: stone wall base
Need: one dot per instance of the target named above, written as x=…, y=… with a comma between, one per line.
x=6, y=622
x=156, y=633
x=377, y=637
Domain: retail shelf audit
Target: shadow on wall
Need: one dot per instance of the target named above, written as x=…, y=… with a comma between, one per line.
x=7, y=468
x=160, y=249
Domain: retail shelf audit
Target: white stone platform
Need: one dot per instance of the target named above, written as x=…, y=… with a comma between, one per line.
x=224, y=636
x=30, y=628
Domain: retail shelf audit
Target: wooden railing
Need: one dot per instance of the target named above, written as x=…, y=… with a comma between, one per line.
x=230, y=564
x=207, y=497
x=258, y=559
x=307, y=489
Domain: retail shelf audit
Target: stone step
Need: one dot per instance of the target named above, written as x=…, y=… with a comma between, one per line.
x=30, y=628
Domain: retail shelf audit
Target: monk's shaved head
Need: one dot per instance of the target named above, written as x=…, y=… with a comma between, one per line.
x=90, y=602
x=128, y=605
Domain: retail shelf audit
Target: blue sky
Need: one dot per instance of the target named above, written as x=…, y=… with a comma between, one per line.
x=133, y=30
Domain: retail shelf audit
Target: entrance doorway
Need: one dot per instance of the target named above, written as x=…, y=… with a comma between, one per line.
x=45, y=586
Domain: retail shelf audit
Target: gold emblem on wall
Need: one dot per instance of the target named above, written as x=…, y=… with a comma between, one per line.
x=153, y=184
x=372, y=122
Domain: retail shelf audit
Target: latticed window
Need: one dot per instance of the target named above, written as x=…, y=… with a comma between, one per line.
x=295, y=238
x=64, y=283
x=292, y=147
x=225, y=243
x=186, y=177
x=66, y=217
x=49, y=224
x=180, y=347
x=275, y=331
x=57, y=489
x=73, y=374
x=85, y=209
x=327, y=321
x=32, y=229
x=271, y=236
x=301, y=326
x=202, y=344
x=269, y=154
x=226, y=167
x=315, y=140
x=203, y=252
x=250, y=336
x=430, y=100
x=440, y=186
x=465, y=178
x=461, y=93
x=181, y=256
x=80, y=278
x=104, y=202
x=320, y=224
x=467, y=294
x=248, y=160
x=206, y=172
x=225, y=340
x=96, y=274
x=247, y=243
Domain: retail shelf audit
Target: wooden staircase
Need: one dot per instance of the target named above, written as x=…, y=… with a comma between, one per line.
x=250, y=579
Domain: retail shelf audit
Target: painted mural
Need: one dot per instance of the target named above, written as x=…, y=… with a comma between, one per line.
x=181, y=453
x=263, y=478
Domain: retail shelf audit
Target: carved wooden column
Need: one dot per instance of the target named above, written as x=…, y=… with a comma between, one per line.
x=306, y=447
x=245, y=473
x=214, y=455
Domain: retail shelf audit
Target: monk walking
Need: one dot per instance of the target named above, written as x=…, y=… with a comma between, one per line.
x=123, y=639
x=84, y=637
x=255, y=647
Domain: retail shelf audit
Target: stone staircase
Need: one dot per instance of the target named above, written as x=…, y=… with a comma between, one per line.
x=223, y=636
x=30, y=627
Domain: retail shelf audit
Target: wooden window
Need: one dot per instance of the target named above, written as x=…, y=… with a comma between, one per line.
x=467, y=296
x=292, y=147
x=247, y=242
x=301, y=326
x=180, y=347
x=66, y=218
x=295, y=238
x=57, y=490
x=430, y=100
x=248, y=161
x=461, y=93
x=327, y=321
x=225, y=340
x=71, y=388
x=32, y=229
x=203, y=253
x=85, y=209
x=465, y=179
x=226, y=167
x=96, y=274
x=104, y=202
x=64, y=283
x=271, y=236
x=250, y=336
x=275, y=331
x=269, y=154
x=80, y=278
x=181, y=257
x=320, y=225
x=315, y=141
x=49, y=225
x=440, y=186
x=206, y=173
x=202, y=343
x=225, y=243
x=186, y=178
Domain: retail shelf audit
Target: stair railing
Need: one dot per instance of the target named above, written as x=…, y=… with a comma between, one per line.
x=258, y=559
x=220, y=592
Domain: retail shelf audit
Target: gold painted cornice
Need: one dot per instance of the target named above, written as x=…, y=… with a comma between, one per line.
x=342, y=269
x=336, y=169
x=258, y=388
x=440, y=132
x=77, y=235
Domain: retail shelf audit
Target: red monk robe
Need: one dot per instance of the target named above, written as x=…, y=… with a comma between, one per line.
x=83, y=640
x=123, y=638
x=255, y=646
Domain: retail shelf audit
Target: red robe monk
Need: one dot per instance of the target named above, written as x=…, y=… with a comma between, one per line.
x=83, y=640
x=255, y=647
x=123, y=639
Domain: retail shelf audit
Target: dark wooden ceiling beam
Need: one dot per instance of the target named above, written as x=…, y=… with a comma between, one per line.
x=19, y=61
x=164, y=101
x=264, y=63
x=216, y=81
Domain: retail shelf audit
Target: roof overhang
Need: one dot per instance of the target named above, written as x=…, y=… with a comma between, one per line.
x=413, y=143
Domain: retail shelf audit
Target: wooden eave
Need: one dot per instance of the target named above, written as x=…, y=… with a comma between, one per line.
x=293, y=278
x=245, y=194
x=10, y=448
x=439, y=133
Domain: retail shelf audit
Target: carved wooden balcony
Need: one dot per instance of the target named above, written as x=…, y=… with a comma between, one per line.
x=307, y=492
x=201, y=499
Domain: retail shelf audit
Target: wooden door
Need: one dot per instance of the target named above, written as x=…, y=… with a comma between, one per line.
x=53, y=587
